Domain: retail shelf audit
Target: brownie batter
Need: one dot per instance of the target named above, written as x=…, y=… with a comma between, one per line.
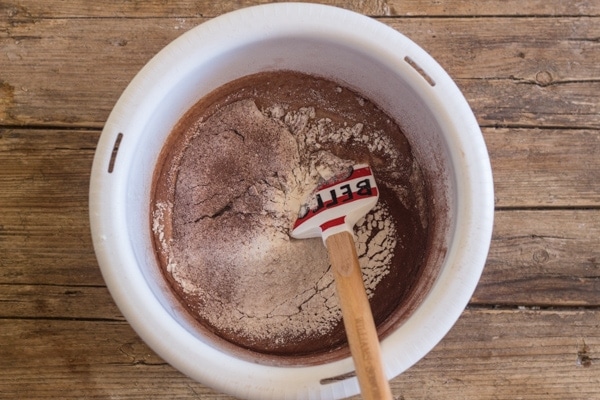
x=229, y=186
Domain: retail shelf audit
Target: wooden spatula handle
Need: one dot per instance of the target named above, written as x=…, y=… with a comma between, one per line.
x=358, y=318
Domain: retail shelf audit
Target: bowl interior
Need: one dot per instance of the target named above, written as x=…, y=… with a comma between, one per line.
x=389, y=85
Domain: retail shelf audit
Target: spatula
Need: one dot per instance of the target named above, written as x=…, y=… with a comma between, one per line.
x=331, y=213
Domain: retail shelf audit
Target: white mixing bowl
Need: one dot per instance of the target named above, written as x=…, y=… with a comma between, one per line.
x=352, y=49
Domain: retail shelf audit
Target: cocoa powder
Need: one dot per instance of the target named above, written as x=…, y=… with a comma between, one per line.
x=234, y=176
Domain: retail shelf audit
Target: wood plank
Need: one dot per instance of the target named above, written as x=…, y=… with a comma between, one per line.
x=552, y=8
x=47, y=248
x=545, y=167
x=543, y=258
x=493, y=354
x=26, y=9
x=46, y=168
x=519, y=354
x=83, y=89
x=44, y=229
x=520, y=72
x=536, y=51
x=512, y=76
x=57, y=301
x=508, y=103
x=188, y=8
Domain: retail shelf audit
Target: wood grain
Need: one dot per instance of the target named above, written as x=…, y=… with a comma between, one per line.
x=529, y=69
x=489, y=354
x=545, y=167
x=503, y=354
x=527, y=72
x=552, y=8
x=543, y=258
x=44, y=228
x=24, y=9
x=28, y=9
x=358, y=319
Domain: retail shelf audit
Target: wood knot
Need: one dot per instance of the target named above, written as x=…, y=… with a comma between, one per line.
x=543, y=78
x=540, y=256
x=583, y=356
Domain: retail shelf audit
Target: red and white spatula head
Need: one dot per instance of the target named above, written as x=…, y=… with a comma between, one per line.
x=336, y=206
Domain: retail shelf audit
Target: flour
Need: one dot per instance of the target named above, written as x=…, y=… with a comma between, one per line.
x=243, y=179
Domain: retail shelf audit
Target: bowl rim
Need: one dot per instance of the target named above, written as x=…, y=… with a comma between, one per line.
x=401, y=349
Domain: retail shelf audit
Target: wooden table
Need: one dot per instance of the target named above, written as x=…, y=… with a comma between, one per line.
x=529, y=69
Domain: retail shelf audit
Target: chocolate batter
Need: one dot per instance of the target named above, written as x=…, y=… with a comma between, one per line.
x=231, y=180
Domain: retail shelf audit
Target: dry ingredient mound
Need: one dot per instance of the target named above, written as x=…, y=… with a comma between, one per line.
x=231, y=189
